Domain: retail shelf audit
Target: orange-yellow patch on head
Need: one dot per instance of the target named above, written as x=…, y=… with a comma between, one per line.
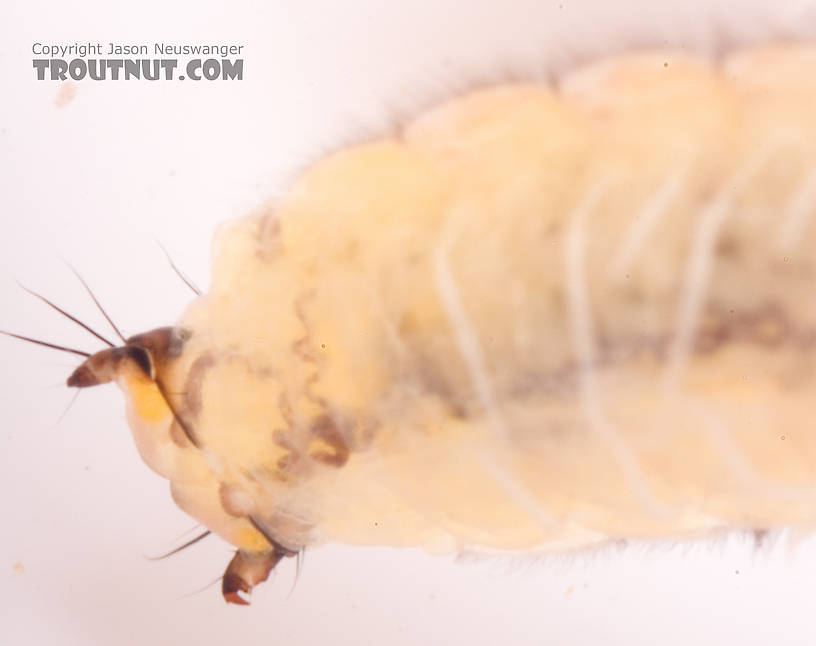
x=148, y=402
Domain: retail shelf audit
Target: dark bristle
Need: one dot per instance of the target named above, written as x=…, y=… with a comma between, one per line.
x=201, y=589
x=189, y=543
x=298, y=569
x=98, y=305
x=176, y=416
x=47, y=345
x=68, y=407
x=66, y=315
x=179, y=273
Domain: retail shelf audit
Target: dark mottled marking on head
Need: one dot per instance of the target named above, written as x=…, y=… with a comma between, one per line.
x=185, y=426
x=143, y=359
x=178, y=337
x=192, y=387
x=163, y=343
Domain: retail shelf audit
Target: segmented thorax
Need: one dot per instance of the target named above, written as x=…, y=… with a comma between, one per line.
x=536, y=317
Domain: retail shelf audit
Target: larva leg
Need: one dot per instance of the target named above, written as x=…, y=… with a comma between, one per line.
x=246, y=570
x=258, y=552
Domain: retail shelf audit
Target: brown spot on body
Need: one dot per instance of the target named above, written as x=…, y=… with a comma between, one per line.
x=727, y=247
x=331, y=448
x=288, y=464
x=267, y=235
x=285, y=409
x=178, y=435
x=768, y=326
x=302, y=347
x=711, y=334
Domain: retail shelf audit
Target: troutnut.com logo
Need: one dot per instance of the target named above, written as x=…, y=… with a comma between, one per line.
x=125, y=62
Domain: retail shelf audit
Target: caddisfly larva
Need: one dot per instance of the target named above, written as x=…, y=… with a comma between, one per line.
x=537, y=318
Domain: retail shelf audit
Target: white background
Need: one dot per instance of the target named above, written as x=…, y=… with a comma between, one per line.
x=95, y=181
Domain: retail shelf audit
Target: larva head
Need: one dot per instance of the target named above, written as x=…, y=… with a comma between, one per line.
x=145, y=368
x=143, y=356
x=148, y=369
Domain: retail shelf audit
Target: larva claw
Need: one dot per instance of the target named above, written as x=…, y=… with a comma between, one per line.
x=231, y=584
x=245, y=571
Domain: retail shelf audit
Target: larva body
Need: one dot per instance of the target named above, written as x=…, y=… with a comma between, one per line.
x=536, y=318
